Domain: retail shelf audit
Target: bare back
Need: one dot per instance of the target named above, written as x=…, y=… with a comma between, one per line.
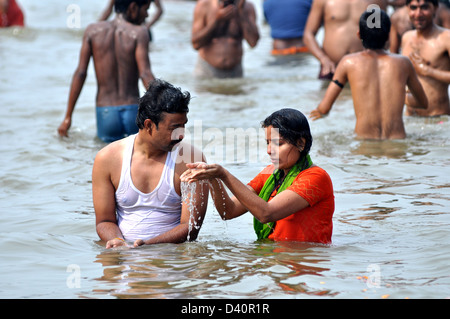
x=378, y=93
x=115, y=46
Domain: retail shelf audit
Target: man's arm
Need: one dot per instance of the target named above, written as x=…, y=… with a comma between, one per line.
x=159, y=12
x=203, y=29
x=143, y=57
x=394, y=36
x=313, y=24
x=247, y=16
x=78, y=80
x=104, y=202
x=190, y=224
x=422, y=68
x=334, y=89
x=246, y=199
x=107, y=12
x=416, y=98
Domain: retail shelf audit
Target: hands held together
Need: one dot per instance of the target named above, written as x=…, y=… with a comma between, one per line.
x=119, y=242
x=200, y=170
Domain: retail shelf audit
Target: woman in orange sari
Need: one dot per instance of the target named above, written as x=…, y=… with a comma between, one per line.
x=291, y=199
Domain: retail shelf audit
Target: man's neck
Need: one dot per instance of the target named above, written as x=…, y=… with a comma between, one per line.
x=144, y=146
x=426, y=32
x=376, y=51
x=122, y=18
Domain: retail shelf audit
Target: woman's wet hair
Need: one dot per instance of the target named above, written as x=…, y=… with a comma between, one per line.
x=374, y=34
x=292, y=126
x=121, y=6
x=161, y=97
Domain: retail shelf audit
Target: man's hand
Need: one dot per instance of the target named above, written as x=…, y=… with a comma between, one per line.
x=200, y=171
x=315, y=114
x=239, y=4
x=64, y=127
x=138, y=242
x=420, y=65
x=328, y=67
x=116, y=242
x=225, y=12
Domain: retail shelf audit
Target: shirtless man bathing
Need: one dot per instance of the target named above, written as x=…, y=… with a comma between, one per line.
x=218, y=29
x=119, y=49
x=377, y=80
x=339, y=19
x=428, y=47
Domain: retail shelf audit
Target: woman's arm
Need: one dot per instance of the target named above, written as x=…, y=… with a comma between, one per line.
x=283, y=205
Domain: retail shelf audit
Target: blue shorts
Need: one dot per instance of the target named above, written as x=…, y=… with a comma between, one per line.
x=116, y=122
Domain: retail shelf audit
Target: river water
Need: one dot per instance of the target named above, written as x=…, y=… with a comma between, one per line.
x=391, y=225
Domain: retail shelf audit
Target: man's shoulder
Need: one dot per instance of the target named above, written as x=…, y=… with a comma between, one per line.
x=409, y=34
x=129, y=27
x=112, y=151
x=444, y=32
x=97, y=27
x=351, y=57
x=249, y=5
x=204, y=4
x=401, y=61
x=98, y=24
x=407, y=37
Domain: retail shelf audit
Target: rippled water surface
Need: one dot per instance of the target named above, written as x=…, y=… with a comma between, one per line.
x=391, y=225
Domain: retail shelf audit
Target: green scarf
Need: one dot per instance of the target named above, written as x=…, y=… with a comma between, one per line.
x=264, y=230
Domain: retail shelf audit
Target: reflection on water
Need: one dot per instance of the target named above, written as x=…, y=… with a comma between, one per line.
x=214, y=269
x=222, y=86
x=289, y=61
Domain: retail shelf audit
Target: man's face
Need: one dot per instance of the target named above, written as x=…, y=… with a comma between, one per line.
x=137, y=14
x=143, y=13
x=421, y=14
x=171, y=130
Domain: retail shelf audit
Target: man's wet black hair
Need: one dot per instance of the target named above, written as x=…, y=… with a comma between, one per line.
x=434, y=2
x=374, y=27
x=121, y=6
x=161, y=97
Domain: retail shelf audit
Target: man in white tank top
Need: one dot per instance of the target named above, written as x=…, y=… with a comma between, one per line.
x=136, y=180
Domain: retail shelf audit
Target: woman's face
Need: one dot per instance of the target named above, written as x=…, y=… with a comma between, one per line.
x=283, y=155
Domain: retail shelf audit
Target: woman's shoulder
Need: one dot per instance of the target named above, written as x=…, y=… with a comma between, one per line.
x=316, y=172
x=313, y=181
x=267, y=170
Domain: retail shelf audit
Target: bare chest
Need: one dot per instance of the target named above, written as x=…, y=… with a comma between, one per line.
x=229, y=28
x=432, y=51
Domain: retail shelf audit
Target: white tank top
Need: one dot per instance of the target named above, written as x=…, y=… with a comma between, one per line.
x=141, y=215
